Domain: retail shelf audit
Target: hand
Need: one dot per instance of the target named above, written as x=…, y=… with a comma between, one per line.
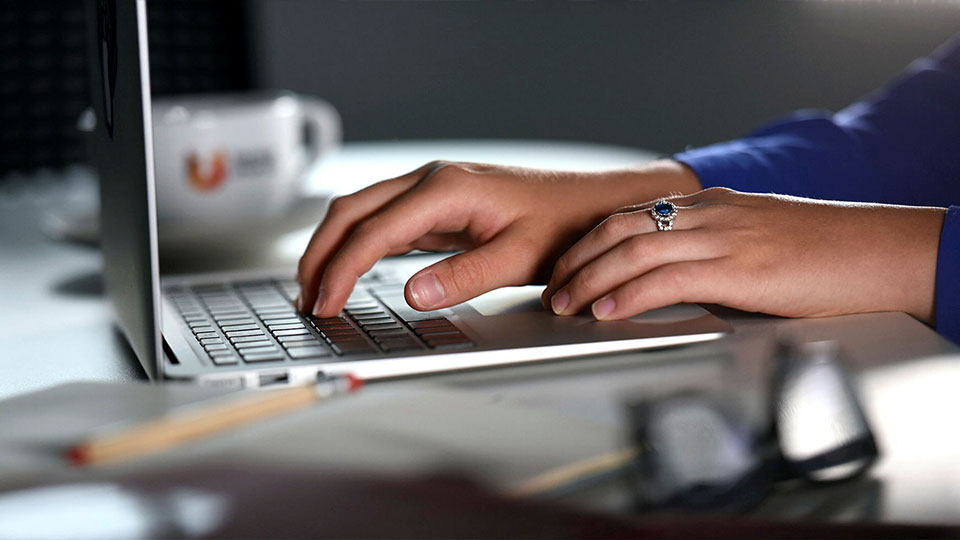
x=774, y=254
x=512, y=222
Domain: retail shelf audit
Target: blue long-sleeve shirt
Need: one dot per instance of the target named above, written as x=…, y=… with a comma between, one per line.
x=900, y=145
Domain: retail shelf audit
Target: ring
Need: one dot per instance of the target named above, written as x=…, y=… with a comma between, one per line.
x=664, y=212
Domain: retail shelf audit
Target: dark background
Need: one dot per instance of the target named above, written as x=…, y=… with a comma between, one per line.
x=655, y=74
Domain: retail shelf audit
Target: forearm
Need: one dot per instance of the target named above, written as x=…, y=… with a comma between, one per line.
x=901, y=145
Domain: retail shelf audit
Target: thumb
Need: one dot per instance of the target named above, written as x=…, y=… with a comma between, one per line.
x=500, y=263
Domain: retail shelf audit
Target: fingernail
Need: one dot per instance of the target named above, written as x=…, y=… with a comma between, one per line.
x=603, y=307
x=560, y=301
x=320, y=303
x=426, y=291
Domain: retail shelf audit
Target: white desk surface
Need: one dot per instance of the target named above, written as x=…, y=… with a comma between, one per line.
x=56, y=328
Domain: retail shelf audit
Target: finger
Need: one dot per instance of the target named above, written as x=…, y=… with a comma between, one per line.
x=342, y=216
x=456, y=279
x=604, y=237
x=705, y=196
x=438, y=243
x=397, y=225
x=688, y=281
x=633, y=257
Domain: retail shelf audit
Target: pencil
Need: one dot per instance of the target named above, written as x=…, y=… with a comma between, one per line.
x=224, y=413
x=568, y=475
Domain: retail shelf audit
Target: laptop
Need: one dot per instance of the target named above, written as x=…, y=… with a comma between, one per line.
x=240, y=329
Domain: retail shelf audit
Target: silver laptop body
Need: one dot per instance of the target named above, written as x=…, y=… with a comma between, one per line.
x=240, y=329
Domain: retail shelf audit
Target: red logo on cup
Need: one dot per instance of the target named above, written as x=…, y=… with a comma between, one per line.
x=210, y=177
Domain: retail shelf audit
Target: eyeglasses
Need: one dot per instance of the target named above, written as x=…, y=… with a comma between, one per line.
x=695, y=453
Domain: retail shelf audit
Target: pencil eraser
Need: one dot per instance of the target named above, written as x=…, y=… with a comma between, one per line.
x=355, y=383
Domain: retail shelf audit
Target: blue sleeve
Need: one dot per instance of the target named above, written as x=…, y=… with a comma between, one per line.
x=899, y=145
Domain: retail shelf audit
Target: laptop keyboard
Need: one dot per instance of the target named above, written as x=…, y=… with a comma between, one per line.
x=254, y=322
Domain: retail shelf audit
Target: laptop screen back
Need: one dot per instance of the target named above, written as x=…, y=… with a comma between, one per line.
x=121, y=151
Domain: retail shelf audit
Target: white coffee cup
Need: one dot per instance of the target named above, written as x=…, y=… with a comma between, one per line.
x=223, y=160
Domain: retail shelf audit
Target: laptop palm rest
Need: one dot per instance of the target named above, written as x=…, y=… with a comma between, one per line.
x=515, y=317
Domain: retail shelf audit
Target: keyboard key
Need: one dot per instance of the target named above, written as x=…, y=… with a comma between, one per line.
x=297, y=339
x=207, y=335
x=247, y=339
x=280, y=304
x=285, y=326
x=293, y=332
x=225, y=360
x=263, y=357
x=332, y=321
x=367, y=312
x=236, y=314
x=341, y=326
x=308, y=352
x=344, y=338
x=211, y=341
x=430, y=323
x=237, y=309
x=295, y=344
x=284, y=320
x=340, y=332
x=203, y=321
x=381, y=326
x=279, y=316
x=387, y=333
x=435, y=332
x=276, y=310
x=234, y=318
x=199, y=329
x=216, y=347
x=257, y=350
x=399, y=344
x=242, y=333
x=252, y=345
x=452, y=345
x=349, y=348
x=373, y=320
x=236, y=327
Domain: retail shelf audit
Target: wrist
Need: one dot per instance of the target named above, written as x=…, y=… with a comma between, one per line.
x=652, y=180
x=920, y=246
x=666, y=177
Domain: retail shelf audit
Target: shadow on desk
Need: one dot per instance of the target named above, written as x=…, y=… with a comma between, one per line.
x=86, y=284
x=244, y=501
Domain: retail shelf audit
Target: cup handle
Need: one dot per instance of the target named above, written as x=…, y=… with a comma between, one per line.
x=327, y=128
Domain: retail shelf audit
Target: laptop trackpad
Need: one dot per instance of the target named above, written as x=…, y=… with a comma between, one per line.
x=527, y=300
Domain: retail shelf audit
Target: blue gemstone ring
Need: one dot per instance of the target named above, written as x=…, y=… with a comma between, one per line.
x=664, y=212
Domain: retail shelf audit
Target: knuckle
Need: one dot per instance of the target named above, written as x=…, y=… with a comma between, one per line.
x=366, y=228
x=718, y=191
x=636, y=247
x=678, y=281
x=446, y=172
x=585, y=280
x=339, y=205
x=435, y=165
x=303, y=269
x=615, y=226
x=562, y=268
